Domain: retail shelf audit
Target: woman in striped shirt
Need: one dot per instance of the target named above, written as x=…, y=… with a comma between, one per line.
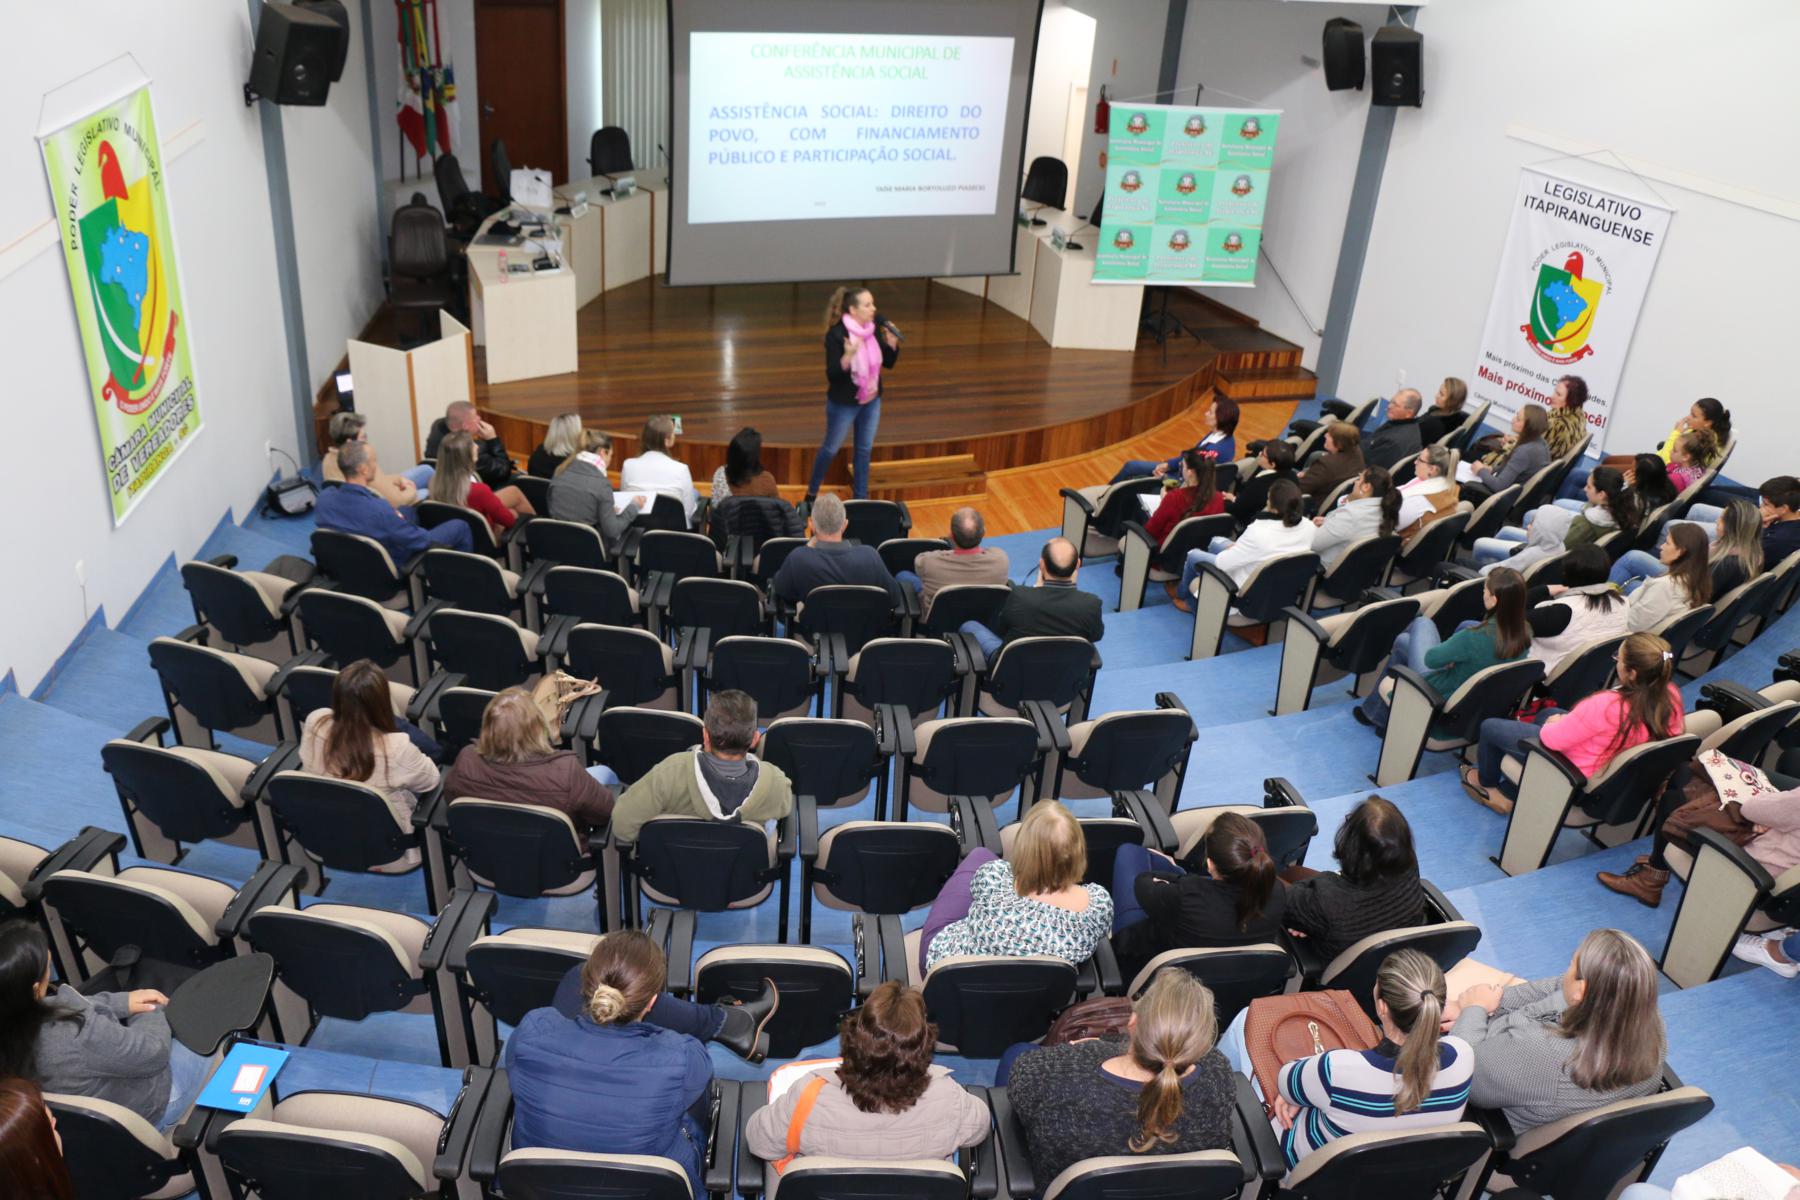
x=1413, y=1079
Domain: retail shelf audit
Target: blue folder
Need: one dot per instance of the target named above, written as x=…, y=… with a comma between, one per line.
x=242, y=1079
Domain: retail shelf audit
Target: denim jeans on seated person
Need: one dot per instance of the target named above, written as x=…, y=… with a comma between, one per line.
x=1130, y=861
x=1190, y=570
x=1490, y=550
x=1501, y=739
x=1637, y=564
x=1137, y=468
x=188, y=1073
x=989, y=641
x=420, y=475
x=1409, y=650
x=911, y=579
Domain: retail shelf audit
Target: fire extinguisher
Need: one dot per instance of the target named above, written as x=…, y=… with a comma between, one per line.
x=1102, y=113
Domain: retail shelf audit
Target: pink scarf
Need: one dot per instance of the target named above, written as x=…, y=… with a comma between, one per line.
x=865, y=363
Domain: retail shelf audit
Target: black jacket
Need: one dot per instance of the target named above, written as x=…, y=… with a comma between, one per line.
x=1391, y=443
x=840, y=388
x=492, y=463
x=1253, y=495
x=542, y=463
x=1191, y=910
x=1051, y=609
x=823, y=563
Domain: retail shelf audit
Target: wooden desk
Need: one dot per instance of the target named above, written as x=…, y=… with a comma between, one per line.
x=1056, y=292
x=616, y=242
x=526, y=321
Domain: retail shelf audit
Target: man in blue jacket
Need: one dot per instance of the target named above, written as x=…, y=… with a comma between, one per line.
x=353, y=508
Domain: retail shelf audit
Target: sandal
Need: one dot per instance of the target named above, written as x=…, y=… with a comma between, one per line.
x=1481, y=795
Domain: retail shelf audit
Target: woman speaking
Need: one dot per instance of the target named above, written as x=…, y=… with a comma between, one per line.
x=859, y=345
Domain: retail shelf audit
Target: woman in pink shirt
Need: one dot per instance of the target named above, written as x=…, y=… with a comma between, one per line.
x=1644, y=706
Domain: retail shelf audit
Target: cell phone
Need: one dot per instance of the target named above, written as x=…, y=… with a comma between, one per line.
x=676, y=417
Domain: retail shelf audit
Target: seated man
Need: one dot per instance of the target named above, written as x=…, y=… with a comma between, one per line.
x=827, y=558
x=355, y=508
x=722, y=780
x=1054, y=608
x=968, y=562
x=492, y=463
x=400, y=490
x=1399, y=435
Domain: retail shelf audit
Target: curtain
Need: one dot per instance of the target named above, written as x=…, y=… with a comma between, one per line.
x=634, y=78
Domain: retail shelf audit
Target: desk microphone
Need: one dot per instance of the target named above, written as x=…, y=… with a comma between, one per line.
x=668, y=162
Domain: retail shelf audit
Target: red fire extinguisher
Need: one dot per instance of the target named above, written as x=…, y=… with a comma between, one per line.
x=1102, y=113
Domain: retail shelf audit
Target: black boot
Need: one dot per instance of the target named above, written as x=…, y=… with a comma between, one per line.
x=742, y=1031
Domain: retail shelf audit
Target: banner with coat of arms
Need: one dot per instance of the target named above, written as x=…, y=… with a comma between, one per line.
x=111, y=201
x=1572, y=281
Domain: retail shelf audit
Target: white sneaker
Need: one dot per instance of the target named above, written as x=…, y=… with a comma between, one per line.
x=1754, y=948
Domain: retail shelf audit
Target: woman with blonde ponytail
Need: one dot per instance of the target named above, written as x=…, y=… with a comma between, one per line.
x=1342, y=1092
x=1164, y=1089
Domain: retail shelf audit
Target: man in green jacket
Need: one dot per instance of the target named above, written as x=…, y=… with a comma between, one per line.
x=723, y=779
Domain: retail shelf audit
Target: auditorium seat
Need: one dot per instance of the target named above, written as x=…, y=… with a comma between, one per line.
x=523, y=850
x=249, y=612
x=1459, y=435
x=502, y=976
x=985, y=757
x=474, y=583
x=631, y=740
x=1443, y=936
x=1717, y=639
x=1752, y=727
x=343, y=825
x=1422, y=719
x=779, y=674
x=500, y=547
x=583, y=595
x=697, y=864
x=833, y=762
x=1057, y=673
x=113, y=1152
x=1125, y=751
x=817, y=987
x=1413, y=1164
x=211, y=691
x=636, y=667
x=1491, y=515
x=1235, y=975
x=346, y=627
x=1274, y=585
x=1581, y=672
x=482, y=650
x=1363, y=565
x=902, y=553
x=1316, y=651
x=842, y=618
x=873, y=522
x=362, y=566
x=23, y=865
x=1726, y=893
x=1287, y=823
x=1424, y=552
x=918, y=676
x=1146, y=561
x=872, y=867
x=1094, y=518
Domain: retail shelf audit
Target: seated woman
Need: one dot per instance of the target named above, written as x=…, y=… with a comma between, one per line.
x=1583, y=608
x=1568, y=423
x=1031, y=903
x=30, y=1147
x=113, y=1046
x=1706, y=415
x=1275, y=461
x=1164, y=1089
x=1370, y=509
x=1645, y=706
x=456, y=483
x=1558, y=1047
x=1431, y=494
x=607, y=1081
x=1686, y=581
x=1447, y=664
x=736, y=1025
x=1551, y=528
x=1446, y=411
x=1198, y=496
x=514, y=761
x=1343, y=458
x=656, y=469
x=1736, y=556
x=1221, y=419
x=1689, y=457
x=883, y=1102
x=561, y=440
x=1281, y=528
x=1375, y=889
x=1230, y=896
x=743, y=473
x=401, y=491
x=357, y=739
x=1523, y=455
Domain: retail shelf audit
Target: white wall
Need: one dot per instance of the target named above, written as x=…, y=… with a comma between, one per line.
x=456, y=30
x=581, y=49
x=1128, y=42
x=225, y=250
x=1616, y=73
x=1253, y=48
x=1065, y=51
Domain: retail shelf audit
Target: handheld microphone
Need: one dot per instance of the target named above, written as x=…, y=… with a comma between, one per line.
x=894, y=329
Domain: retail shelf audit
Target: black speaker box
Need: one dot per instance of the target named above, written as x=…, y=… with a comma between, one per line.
x=1397, y=62
x=1343, y=54
x=299, y=51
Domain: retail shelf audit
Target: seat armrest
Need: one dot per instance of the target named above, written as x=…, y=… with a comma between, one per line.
x=894, y=731
x=1436, y=901
x=463, y=919
x=1494, y=1122
x=1670, y=1080
x=1308, y=962
x=83, y=852
x=1559, y=760
x=1009, y=1134
x=193, y=633
x=531, y=583
x=1306, y=622
x=1147, y=811
x=893, y=947
x=459, y=1126
x=150, y=730
x=1279, y=793
x=981, y=1162
x=1739, y=858
x=1081, y=502
x=720, y=1168
x=960, y=644
x=416, y=563
x=226, y=561
x=290, y=599
x=1136, y=529
x=1405, y=675
x=1258, y=1150
x=657, y=590
x=487, y=1142
x=1171, y=700
x=423, y=705
x=1728, y=698
x=1375, y=595
x=197, y=1128
x=285, y=757
x=909, y=607
x=417, y=623
x=1105, y=964
x=429, y=810
x=1450, y=573
x=806, y=817
x=693, y=648
x=972, y=817
x=310, y=658
x=272, y=881
x=868, y=958
x=752, y=1172
x=1052, y=733
x=839, y=649
x=786, y=837
x=906, y=521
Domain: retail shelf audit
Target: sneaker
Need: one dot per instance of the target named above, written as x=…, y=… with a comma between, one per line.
x=1754, y=948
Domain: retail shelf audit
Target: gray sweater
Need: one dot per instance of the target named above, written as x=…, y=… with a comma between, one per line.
x=98, y=1053
x=942, y=1119
x=581, y=492
x=1521, y=1060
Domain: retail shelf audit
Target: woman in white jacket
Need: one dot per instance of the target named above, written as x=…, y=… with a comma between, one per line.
x=1281, y=528
x=1685, y=583
x=1371, y=508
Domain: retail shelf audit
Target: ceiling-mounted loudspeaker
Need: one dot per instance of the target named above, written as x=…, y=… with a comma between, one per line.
x=300, y=52
x=1343, y=54
x=1397, y=62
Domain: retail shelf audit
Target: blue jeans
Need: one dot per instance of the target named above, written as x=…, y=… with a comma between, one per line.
x=987, y=639
x=1130, y=862
x=1637, y=564
x=420, y=475
x=838, y=420
x=454, y=535
x=1575, y=481
x=911, y=579
x=1501, y=739
x=1011, y=1055
x=1573, y=504
x=1489, y=550
x=188, y=1073
x=1791, y=947
x=1409, y=649
x=1137, y=468
x=1190, y=570
x=427, y=745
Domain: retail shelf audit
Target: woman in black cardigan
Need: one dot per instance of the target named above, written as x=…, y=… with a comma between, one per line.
x=859, y=345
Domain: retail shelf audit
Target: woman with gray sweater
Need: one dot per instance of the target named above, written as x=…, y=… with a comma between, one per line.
x=1555, y=1048
x=1525, y=455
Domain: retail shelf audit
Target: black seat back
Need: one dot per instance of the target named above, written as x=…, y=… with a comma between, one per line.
x=889, y=866
x=231, y=604
x=104, y=916
x=981, y=757
x=727, y=607
x=346, y=628
x=340, y=971
x=1055, y=670
x=207, y=686
x=777, y=673
x=432, y=513
x=814, y=994
x=1592, y=1158
x=664, y=514
x=1277, y=584
x=1621, y=795
x=628, y=663
x=510, y=979
x=1192, y=533
x=536, y=490
x=1416, y=1165
x=471, y=582
x=347, y=826
x=1235, y=975
x=757, y=518
x=825, y=759
x=593, y=596
x=566, y=543
x=1585, y=672
x=459, y=714
x=521, y=849
x=173, y=793
x=356, y=564
x=1467, y=601
x=1435, y=544
x=291, y=1166
x=913, y=673
x=1446, y=943
x=580, y=1179
x=632, y=740
x=983, y=1007
x=306, y=690
x=902, y=554
x=1121, y=504
x=678, y=553
x=1130, y=750
x=1491, y=514
x=951, y=606
x=770, y=555
x=859, y=613
x=701, y=863
x=482, y=647
x=104, y=1157
x=609, y=151
x=1733, y=609
x=1497, y=695
x=873, y=522
x=1363, y=565
x=417, y=246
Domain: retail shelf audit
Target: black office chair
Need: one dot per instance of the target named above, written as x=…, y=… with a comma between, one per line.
x=1046, y=183
x=463, y=209
x=501, y=166
x=419, y=263
x=609, y=151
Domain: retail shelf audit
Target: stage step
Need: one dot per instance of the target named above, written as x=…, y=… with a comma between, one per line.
x=1265, y=383
x=926, y=478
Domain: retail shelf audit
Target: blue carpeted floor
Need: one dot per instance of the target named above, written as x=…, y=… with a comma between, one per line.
x=51, y=785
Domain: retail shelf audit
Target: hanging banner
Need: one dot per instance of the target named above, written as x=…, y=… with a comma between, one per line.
x=112, y=208
x=1572, y=280
x=1185, y=193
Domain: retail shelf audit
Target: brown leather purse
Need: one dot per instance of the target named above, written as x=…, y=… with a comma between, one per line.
x=1101, y=1017
x=1280, y=1029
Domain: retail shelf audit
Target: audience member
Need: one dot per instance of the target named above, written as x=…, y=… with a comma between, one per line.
x=1652, y=480
x=398, y=490
x=1371, y=508
x=1031, y=903
x=1568, y=423
x=1448, y=663
x=1708, y=416
x=455, y=483
x=1431, y=494
x=1221, y=419
x=1688, y=458
x=1282, y=528
x=1342, y=459
x=1162, y=1089
x=1276, y=460
x=580, y=491
x=722, y=780
x=737, y=1025
x=1446, y=411
x=1551, y=528
x=1584, y=608
x=1228, y=895
x=1522, y=456
x=1645, y=706
x=1399, y=435
x=358, y=739
x=30, y=1147
x=561, y=439
x=828, y=559
x=492, y=463
x=655, y=470
x=1686, y=581
x=1198, y=496
x=113, y=1046
x=1375, y=889
x=1780, y=512
x=967, y=561
x=743, y=473
x=1737, y=551
x=882, y=1101
x=1054, y=608
x=1559, y=1047
x=514, y=761
x=355, y=508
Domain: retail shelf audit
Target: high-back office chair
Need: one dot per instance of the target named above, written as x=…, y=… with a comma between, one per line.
x=501, y=167
x=1046, y=183
x=463, y=209
x=419, y=263
x=609, y=151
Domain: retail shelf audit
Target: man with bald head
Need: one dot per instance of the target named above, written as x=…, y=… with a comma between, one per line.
x=967, y=562
x=1399, y=435
x=1054, y=608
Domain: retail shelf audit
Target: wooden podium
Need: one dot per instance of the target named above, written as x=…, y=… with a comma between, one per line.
x=402, y=392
